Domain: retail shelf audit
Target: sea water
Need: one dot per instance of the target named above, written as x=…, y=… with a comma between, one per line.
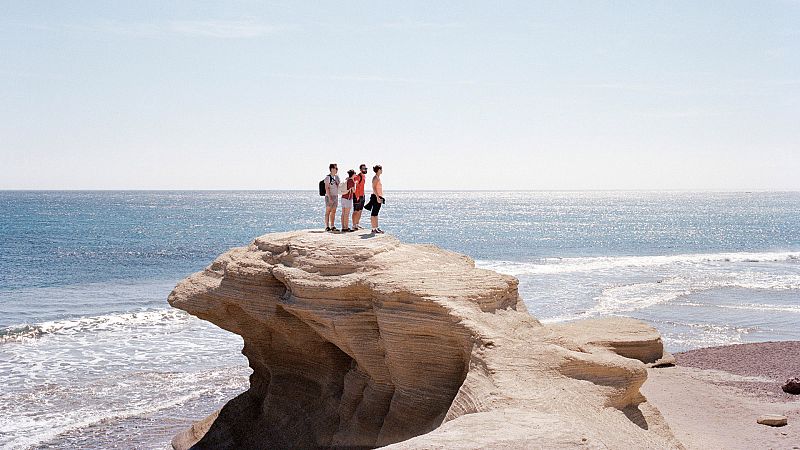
x=91, y=355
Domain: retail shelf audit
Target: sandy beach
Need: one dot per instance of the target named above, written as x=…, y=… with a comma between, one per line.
x=712, y=398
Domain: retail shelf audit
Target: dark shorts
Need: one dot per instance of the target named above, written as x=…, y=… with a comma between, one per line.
x=358, y=203
x=376, y=206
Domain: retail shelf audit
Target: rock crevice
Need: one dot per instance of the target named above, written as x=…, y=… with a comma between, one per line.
x=363, y=341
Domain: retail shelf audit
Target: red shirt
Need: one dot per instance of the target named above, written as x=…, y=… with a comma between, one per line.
x=350, y=185
x=359, y=185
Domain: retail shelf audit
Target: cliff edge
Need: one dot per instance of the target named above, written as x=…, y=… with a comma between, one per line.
x=359, y=340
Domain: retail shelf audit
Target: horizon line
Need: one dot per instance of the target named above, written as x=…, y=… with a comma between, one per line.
x=413, y=190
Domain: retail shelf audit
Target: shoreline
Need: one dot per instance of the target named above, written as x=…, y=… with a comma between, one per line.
x=713, y=396
x=710, y=399
x=773, y=360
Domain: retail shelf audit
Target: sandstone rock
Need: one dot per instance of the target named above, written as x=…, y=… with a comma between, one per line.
x=792, y=386
x=624, y=336
x=358, y=340
x=191, y=435
x=773, y=420
x=668, y=360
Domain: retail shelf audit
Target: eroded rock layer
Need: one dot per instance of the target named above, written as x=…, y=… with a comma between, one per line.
x=357, y=340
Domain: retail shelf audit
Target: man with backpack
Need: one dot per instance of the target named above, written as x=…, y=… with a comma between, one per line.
x=329, y=187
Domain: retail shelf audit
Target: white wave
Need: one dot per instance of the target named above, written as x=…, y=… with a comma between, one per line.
x=688, y=341
x=105, y=322
x=679, y=336
x=44, y=431
x=764, y=307
x=591, y=264
x=636, y=296
x=29, y=429
x=710, y=327
x=557, y=319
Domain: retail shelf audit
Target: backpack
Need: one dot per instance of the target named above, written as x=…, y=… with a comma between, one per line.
x=322, y=191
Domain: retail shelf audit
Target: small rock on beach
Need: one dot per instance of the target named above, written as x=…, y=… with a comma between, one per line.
x=792, y=386
x=773, y=420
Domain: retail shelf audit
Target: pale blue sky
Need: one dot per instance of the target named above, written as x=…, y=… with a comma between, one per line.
x=446, y=95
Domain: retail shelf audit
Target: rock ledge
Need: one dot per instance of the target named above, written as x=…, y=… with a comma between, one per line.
x=363, y=341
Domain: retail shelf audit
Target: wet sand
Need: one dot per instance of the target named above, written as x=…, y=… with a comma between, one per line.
x=712, y=398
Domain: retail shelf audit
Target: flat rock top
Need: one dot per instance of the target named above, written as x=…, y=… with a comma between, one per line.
x=312, y=257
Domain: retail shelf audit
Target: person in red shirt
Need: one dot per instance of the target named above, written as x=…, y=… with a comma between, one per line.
x=358, y=199
x=347, y=200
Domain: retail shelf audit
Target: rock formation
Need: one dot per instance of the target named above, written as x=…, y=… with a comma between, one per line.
x=792, y=386
x=362, y=341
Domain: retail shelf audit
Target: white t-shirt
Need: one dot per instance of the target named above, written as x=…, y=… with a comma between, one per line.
x=332, y=191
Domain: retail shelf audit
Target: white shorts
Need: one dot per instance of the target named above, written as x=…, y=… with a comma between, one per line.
x=347, y=202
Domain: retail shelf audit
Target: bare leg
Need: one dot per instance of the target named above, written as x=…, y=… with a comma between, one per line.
x=374, y=221
x=333, y=217
x=356, y=217
x=345, y=218
x=327, y=214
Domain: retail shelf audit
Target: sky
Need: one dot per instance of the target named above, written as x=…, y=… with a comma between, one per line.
x=557, y=95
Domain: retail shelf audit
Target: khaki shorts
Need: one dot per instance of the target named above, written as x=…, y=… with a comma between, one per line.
x=331, y=202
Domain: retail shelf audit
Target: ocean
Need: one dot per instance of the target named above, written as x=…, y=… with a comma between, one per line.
x=92, y=356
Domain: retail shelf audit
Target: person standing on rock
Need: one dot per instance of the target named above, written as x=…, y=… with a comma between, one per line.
x=358, y=199
x=376, y=199
x=331, y=197
x=347, y=200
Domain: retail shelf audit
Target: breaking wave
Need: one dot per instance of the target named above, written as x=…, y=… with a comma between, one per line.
x=105, y=322
x=600, y=263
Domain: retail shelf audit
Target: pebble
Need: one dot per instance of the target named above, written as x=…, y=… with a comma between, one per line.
x=773, y=420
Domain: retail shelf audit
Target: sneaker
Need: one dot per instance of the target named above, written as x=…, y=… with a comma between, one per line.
x=327, y=228
x=355, y=227
x=379, y=231
x=334, y=229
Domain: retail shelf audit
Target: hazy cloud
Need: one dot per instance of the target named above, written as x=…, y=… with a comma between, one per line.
x=640, y=87
x=420, y=25
x=682, y=114
x=370, y=79
x=224, y=29
x=31, y=75
x=221, y=29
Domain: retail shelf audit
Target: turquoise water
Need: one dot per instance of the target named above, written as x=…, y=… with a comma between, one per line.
x=90, y=353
